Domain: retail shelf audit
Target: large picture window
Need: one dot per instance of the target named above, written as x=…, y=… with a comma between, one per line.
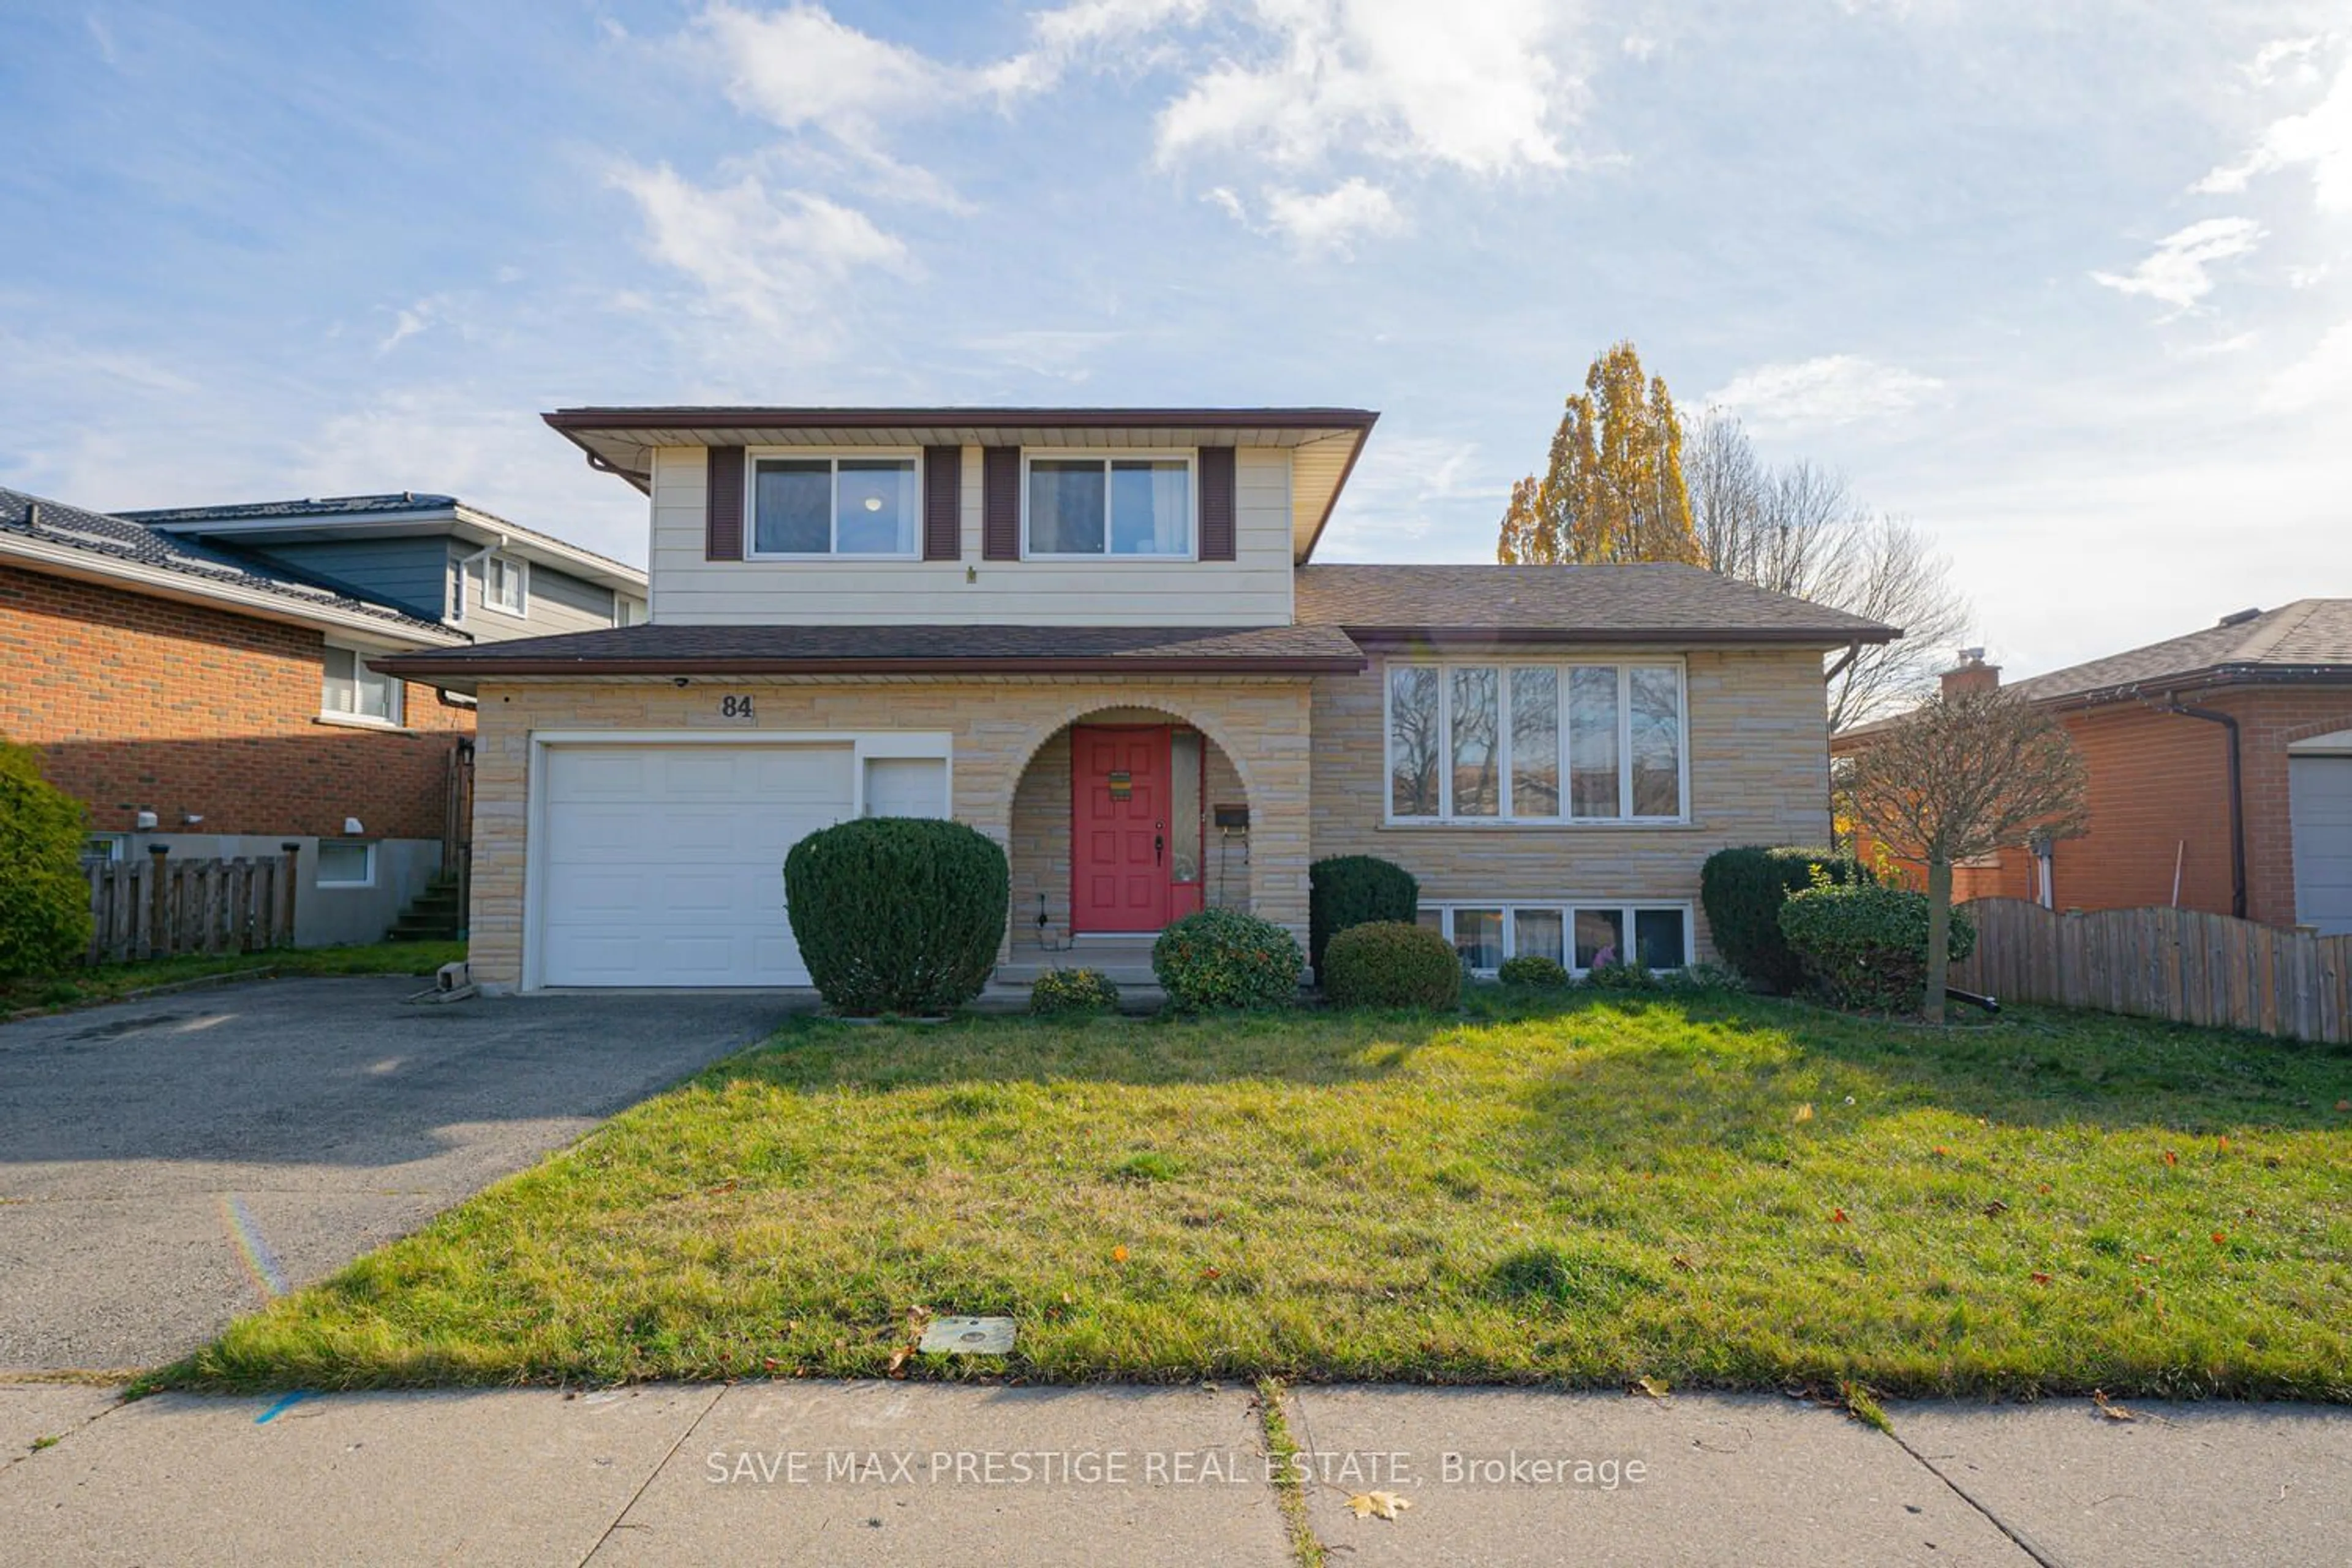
x=1138, y=506
x=1579, y=933
x=1476, y=741
x=807, y=506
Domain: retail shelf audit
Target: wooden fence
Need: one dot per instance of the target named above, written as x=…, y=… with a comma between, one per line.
x=163, y=907
x=2181, y=965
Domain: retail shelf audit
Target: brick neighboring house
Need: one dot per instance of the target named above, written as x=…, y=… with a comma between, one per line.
x=217, y=699
x=1097, y=636
x=2221, y=760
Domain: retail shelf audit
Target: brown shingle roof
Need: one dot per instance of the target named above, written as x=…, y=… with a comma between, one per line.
x=1648, y=603
x=658, y=649
x=2310, y=635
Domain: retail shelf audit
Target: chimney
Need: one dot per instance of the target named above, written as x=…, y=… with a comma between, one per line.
x=1972, y=674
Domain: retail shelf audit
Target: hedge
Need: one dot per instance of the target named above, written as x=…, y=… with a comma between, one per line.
x=1533, y=969
x=1223, y=958
x=1066, y=991
x=1865, y=947
x=1351, y=890
x=897, y=914
x=1391, y=964
x=44, y=896
x=1742, y=890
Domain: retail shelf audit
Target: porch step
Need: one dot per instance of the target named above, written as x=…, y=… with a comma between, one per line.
x=433, y=915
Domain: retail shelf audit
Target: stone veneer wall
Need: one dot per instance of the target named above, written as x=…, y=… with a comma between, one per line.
x=1758, y=774
x=998, y=726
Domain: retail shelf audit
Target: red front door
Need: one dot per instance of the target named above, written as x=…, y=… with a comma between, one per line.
x=1119, y=829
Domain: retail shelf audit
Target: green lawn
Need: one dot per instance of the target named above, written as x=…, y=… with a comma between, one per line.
x=1729, y=1193
x=105, y=982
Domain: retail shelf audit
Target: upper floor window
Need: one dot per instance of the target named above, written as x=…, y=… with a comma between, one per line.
x=1095, y=506
x=861, y=506
x=629, y=612
x=1536, y=742
x=506, y=584
x=351, y=690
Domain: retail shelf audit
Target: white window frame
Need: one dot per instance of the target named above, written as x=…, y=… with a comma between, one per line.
x=396, y=710
x=521, y=607
x=318, y=863
x=835, y=457
x=1565, y=907
x=1188, y=456
x=1623, y=664
x=621, y=603
x=104, y=847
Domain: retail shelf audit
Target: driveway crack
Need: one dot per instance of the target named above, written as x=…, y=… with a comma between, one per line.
x=2016, y=1535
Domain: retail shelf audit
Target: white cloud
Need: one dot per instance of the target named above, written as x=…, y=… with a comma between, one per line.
x=2283, y=56
x=2322, y=376
x=768, y=258
x=2176, y=271
x=1823, y=393
x=1068, y=32
x=1478, y=88
x=411, y=319
x=2321, y=139
x=1333, y=220
x=800, y=68
x=1055, y=353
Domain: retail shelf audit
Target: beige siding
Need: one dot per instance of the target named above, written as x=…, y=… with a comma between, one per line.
x=554, y=603
x=1253, y=590
x=1758, y=774
x=997, y=728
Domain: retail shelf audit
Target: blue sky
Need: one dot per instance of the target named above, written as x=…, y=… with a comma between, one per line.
x=2067, y=284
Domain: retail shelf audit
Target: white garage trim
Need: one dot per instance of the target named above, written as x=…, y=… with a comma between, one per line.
x=862, y=745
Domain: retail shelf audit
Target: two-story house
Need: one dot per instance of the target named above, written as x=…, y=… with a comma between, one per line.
x=1097, y=636
x=200, y=678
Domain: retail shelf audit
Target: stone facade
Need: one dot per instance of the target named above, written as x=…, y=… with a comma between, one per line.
x=998, y=728
x=1758, y=774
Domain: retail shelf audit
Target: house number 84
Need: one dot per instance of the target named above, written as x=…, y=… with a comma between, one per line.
x=735, y=708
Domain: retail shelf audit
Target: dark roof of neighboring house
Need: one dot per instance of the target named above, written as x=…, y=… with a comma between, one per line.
x=669, y=650
x=325, y=506
x=1645, y=603
x=2306, y=639
x=102, y=537
x=235, y=518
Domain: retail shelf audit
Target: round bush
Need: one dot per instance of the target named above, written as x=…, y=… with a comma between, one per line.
x=1351, y=890
x=1533, y=969
x=1865, y=947
x=44, y=896
x=1631, y=975
x=1742, y=890
x=897, y=914
x=1223, y=958
x=1389, y=963
x=1072, y=991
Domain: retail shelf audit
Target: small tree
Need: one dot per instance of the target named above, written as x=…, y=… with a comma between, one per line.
x=1613, y=490
x=1962, y=775
x=44, y=898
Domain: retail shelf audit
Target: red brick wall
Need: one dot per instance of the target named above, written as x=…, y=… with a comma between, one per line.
x=137, y=701
x=2159, y=787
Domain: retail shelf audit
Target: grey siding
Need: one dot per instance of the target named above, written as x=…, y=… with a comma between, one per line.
x=409, y=572
x=555, y=601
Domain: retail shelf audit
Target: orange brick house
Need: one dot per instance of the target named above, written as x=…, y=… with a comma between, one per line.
x=2220, y=773
x=215, y=698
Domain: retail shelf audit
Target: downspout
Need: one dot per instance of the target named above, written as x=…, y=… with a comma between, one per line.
x=2237, y=797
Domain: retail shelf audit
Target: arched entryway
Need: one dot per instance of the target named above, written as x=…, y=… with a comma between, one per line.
x=1123, y=819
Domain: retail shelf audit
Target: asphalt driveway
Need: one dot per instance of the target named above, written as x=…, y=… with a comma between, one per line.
x=167, y=1164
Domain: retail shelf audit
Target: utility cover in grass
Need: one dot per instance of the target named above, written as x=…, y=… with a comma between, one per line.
x=968, y=1336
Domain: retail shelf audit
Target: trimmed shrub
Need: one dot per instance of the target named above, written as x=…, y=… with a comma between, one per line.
x=1704, y=980
x=1865, y=947
x=897, y=914
x=1223, y=958
x=1628, y=975
x=1351, y=890
x=44, y=897
x=1742, y=890
x=1072, y=991
x=1533, y=969
x=1389, y=963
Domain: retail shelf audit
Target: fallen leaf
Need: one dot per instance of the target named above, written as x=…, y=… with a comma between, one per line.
x=1942, y=1152
x=1995, y=1209
x=897, y=1359
x=1118, y=1255
x=1387, y=1505
x=2221, y=1145
x=1211, y=1273
x=2144, y=1257
x=1679, y=1261
x=2170, y=1158
x=2045, y=1189
x=1837, y=1216
x=2221, y=1239
x=2109, y=1408
x=1656, y=1387
x=1805, y=1111
x=2344, y=1105
x=2039, y=1277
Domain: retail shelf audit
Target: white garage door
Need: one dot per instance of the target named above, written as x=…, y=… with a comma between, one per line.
x=2319, y=792
x=663, y=865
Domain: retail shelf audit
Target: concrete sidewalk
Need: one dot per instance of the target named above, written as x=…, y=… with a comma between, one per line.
x=860, y=1473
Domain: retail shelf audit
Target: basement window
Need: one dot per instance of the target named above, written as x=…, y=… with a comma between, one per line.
x=346, y=863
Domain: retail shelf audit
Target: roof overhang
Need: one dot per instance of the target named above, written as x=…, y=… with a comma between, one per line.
x=1324, y=442
x=160, y=582
x=1465, y=638
x=458, y=522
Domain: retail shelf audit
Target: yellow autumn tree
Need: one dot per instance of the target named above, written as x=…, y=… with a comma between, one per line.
x=1614, y=489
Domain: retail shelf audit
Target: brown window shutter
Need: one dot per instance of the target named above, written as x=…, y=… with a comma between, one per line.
x=1000, y=503
x=942, y=503
x=1216, y=503
x=722, y=506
